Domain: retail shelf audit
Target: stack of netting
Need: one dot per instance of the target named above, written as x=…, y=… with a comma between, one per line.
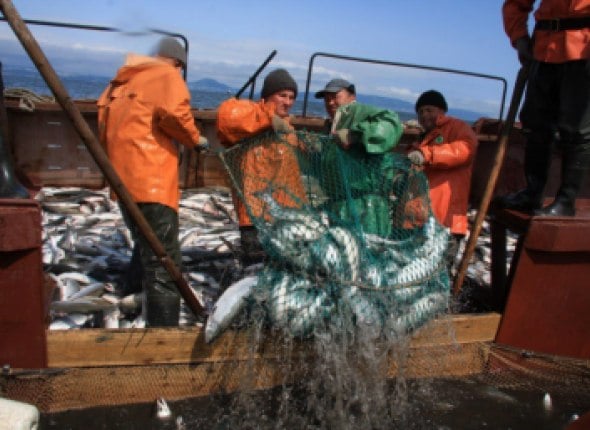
x=350, y=236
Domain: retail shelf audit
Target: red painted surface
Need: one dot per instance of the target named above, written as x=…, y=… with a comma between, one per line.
x=23, y=304
x=582, y=423
x=548, y=306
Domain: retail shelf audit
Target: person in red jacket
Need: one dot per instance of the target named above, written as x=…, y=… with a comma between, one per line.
x=445, y=151
x=141, y=114
x=557, y=101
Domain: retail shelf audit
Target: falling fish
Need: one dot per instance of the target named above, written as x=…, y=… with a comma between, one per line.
x=227, y=306
x=163, y=411
x=547, y=402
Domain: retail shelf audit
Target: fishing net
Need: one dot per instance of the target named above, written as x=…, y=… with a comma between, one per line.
x=350, y=237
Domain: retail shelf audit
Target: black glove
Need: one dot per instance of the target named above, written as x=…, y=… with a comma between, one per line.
x=524, y=47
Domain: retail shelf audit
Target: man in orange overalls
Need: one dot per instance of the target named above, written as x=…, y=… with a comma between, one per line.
x=270, y=164
x=446, y=151
x=557, y=102
x=141, y=114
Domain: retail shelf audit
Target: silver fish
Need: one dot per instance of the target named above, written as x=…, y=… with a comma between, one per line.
x=66, y=322
x=228, y=306
x=82, y=305
x=348, y=243
x=163, y=411
x=290, y=214
x=367, y=317
x=413, y=316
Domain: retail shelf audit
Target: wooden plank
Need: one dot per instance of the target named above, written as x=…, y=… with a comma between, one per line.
x=108, y=347
x=79, y=388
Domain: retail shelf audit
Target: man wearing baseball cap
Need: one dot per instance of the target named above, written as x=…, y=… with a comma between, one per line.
x=338, y=92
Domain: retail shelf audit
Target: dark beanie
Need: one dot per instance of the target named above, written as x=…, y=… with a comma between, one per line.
x=431, y=98
x=276, y=81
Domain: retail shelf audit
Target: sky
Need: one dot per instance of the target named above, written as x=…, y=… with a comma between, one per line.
x=229, y=39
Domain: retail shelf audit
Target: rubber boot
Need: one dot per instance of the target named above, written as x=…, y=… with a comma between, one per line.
x=133, y=276
x=575, y=164
x=162, y=305
x=10, y=187
x=536, y=169
x=252, y=251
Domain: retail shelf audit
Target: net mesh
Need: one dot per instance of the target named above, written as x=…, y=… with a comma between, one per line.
x=350, y=236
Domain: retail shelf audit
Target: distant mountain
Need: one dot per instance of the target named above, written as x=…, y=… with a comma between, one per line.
x=206, y=93
x=209, y=84
x=392, y=103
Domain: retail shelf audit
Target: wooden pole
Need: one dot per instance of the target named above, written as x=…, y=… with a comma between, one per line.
x=503, y=137
x=53, y=82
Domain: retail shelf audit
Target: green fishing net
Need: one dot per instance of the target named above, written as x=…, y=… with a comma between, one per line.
x=349, y=234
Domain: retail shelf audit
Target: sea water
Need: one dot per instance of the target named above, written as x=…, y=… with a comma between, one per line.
x=89, y=87
x=344, y=386
x=445, y=404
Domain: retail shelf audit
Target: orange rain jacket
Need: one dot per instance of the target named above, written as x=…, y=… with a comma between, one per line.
x=449, y=151
x=550, y=46
x=272, y=163
x=144, y=108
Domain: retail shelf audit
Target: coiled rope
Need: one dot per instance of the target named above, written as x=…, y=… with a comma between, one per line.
x=27, y=99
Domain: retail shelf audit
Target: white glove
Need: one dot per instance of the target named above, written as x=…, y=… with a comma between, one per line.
x=416, y=157
x=345, y=137
x=203, y=144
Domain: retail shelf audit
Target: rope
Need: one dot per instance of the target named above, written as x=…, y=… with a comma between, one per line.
x=27, y=98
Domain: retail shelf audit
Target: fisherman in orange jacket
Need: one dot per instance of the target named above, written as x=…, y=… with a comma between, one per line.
x=446, y=151
x=141, y=114
x=270, y=164
x=557, y=102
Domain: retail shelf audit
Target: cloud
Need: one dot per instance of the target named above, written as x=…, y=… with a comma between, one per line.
x=400, y=93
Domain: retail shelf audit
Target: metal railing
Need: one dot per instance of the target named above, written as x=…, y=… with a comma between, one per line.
x=406, y=65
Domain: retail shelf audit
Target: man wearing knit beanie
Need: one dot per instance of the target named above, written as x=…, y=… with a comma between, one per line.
x=432, y=98
x=445, y=150
x=276, y=81
x=268, y=164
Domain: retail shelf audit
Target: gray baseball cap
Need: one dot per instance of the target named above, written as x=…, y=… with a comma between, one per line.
x=334, y=86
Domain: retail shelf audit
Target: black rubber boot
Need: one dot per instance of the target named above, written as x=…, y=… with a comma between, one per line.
x=133, y=276
x=163, y=310
x=10, y=187
x=252, y=251
x=536, y=169
x=575, y=164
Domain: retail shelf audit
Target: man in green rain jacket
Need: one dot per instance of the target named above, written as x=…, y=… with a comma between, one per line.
x=358, y=170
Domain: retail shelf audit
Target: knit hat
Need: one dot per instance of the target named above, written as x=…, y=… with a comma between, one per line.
x=276, y=81
x=431, y=98
x=169, y=47
x=334, y=86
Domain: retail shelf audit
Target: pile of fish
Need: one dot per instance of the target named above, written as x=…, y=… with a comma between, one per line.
x=320, y=273
x=87, y=249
